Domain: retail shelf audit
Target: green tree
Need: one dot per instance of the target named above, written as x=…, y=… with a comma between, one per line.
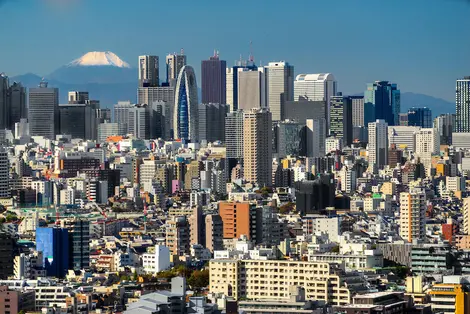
x=335, y=249
x=199, y=279
x=287, y=208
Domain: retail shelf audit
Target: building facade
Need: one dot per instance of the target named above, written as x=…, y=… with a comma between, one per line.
x=44, y=111
x=280, y=87
x=213, y=80
x=186, y=113
x=462, y=105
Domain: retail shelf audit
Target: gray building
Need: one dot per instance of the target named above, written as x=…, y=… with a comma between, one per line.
x=234, y=135
x=212, y=122
x=79, y=243
x=280, y=88
x=121, y=115
x=305, y=109
x=213, y=80
x=79, y=120
x=44, y=111
x=462, y=105
x=358, y=110
x=445, y=124
x=4, y=174
x=174, y=64
x=107, y=129
x=139, y=121
x=4, y=108
x=17, y=103
x=341, y=118
x=148, y=71
x=150, y=95
x=251, y=86
x=289, y=139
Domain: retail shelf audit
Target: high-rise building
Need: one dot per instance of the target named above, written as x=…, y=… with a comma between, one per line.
x=314, y=196
x=445, y=124
x=121, y=116
x=4, y=107
x=213, y=80
x=17, y=103
x=358, y=111
x=44, y=111
x=174, y=64
x=412, y=215
x=316, y=87
x=239, y=219
x=79, y=119
x=178, y=236
x=160, y=95
x=4, y=174
x=79, y=242
x=7, y=244
x=139, y=121
x=214, y=232
x=148, y=71
x=54, y=245
x=232, y=90
x=76, y=97
x=280, y=87
x=341, y=118
x=186, y=113
x=385, y=98
x=403, y=137
x=316, y=137
x=251, y=88
x=378, y=143
x=289, y=139
x=427, y=142
x=234, y=135
x=257, y=146
x=462, y=105
x=303, y=109
x=212, y=122
x=107, y=129
x=420, y=117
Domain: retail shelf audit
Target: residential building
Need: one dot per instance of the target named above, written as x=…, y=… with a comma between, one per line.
x=44, y=111
x=378, y=143
x=156, y=259
x=412, y=215
x=4, y=174
x=238, y=219
x=186, y=113
x=16, y=301
x=359, y=111
x=280, y=87
x=214, y=234
x=178, y=236
x=449, y=298
x=234, y=135
x=213, y=80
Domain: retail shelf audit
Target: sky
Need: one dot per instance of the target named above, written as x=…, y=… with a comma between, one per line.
x=423, y=46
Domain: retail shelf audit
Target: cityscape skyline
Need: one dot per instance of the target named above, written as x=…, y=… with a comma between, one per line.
x=415, y=60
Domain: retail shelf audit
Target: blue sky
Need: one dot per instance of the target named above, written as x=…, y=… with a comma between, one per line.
x=421, y=45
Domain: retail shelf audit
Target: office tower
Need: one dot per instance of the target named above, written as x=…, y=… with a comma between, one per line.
x=303, y=109
x=280, y=87
x=427, y=142
x=445, y=124
x=315, y=137
x=139, y=121
x=385, y=99
x=289, y=139
x=4, y=107
x=251, y=88
x=54, y=245
x=44, y=111
x=148, y=71
x=79, y=119
x=462, y=105
x=420, y=117
x=394, y=156
x=76, y=97
x=79, y=242
x=174, y=64
x=316, y=87
x=17, y=104
x=177, y=235
x=403, y=137
x=213, y=80
x=186, y=113
x=212, y=122
x=257, y=146
x=238, y=219
x=7, y=244
x=4, y=174
x=166, y=94
x=234, y=135
x=312, y=197
x=378, y=143
x=232, y=89
x=358, y=110
x=214, y=232
x=412, y=215
x=121, y=115
x=341, y=118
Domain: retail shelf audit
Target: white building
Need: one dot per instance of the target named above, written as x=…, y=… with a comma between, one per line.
x=251, y=88
x=157, y=259
x=367, y=260
x=404, y=137
x=106, y=130
x=29, y=266
x=329, y=226
x=412, y=214
x=378, y=143
x=348, y=180
x=427, y=142
x=333, y=144
x=316, y=135
x=280, y=85
x=455, y=184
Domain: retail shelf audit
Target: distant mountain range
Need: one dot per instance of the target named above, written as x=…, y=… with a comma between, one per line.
x=109, y=79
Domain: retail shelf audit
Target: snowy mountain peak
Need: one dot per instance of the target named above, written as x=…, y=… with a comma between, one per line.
x=98, y=58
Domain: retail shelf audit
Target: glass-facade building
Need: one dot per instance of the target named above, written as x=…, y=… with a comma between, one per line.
x=420, y=117
x=186, y=113
x=54, y=244
x=341, y=118
x=462, y=105
x=385, y=98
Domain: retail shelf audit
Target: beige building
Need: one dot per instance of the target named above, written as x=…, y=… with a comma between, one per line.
x=177, y=236
x=389, y=188
x=271, y=279
x=466, y=215
x=257, y=147
x=214, y=232
x=412, y=214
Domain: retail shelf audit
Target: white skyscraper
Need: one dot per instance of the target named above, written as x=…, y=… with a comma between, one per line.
x=412, y=215
x=251, y=88
x=280, y=87
x=316, y=135
x=315, y=87
x=44, y=111
x=427, y=142
x=378, y=143
x=4, y=174
x=148, y=71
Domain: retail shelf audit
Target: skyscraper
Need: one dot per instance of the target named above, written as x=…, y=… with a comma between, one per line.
x=378, y=143
x=186, y=113
x=232, y=90
x=213, y=80
x=212, y=122
x=44, y=111
x=341, y=118
x=4, y=108
x=159, y=94
x=445, y=124
x=4, y=174
x=54, y=245
x=316, y=87
x=79, y=118
x=385, y=98
x=280, y=87
x=420, y=117
x=174, y=64
x=462, y=105
x=17, y=104
x=316, y=137
x=148, y=71
x=412, y=215
x=139, y=121
x=251, y=88
x=234, y=135
x=257, y=146
x=79, y=242
x=121, y=116
x=358, y=111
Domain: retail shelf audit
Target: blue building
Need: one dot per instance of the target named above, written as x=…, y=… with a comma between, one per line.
x=420, y=117
x=54, y=244
x=383, y=98
x=186, y=112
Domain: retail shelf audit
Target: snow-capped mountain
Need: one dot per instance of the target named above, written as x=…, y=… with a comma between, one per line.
x=95, y=67
x=99, y=58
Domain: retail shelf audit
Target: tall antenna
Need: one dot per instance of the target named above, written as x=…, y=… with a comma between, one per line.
x=251, y=58
x=182, y=51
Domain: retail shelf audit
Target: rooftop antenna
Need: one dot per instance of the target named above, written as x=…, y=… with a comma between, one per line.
x=251, y=58
x=182, y=51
